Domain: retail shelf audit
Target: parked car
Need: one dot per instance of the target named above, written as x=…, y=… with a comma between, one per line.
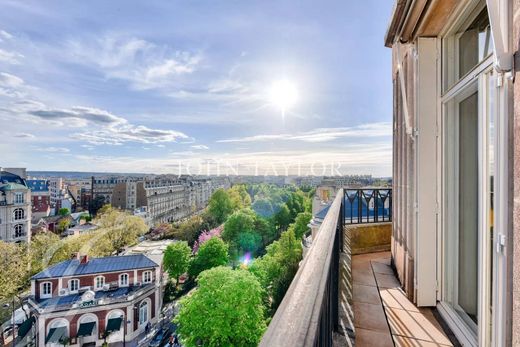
x=159, y=338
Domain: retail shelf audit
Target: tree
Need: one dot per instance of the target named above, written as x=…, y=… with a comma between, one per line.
x=188, y=230
x=276, y=269
x=177, y=259
x=15, y=270
x=225, y=310
x=263, y=207
x=63, y=224
x=301, y=223
x=239, y=222
x=220, y=205
x=64, y=211
x=39, y=248
x=212, y=253
x=282, y=218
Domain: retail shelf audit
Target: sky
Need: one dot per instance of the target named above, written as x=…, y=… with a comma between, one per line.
x=187, y=86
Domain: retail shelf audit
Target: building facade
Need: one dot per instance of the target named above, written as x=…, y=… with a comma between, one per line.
x=88, y=301
x=40, y=198
x=455, y=187
x=15, y=208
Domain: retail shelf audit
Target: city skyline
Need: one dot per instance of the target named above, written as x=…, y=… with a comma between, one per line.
x=163, y=87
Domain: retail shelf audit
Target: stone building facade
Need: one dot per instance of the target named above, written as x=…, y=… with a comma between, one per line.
x=85, y=301
x=455, y=181
x=15, y=208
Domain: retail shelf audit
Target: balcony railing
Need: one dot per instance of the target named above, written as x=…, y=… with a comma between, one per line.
x=309, y=312
x=367, y=205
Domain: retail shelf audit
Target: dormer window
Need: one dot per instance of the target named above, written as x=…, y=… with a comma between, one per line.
x=18, y=198
x=99, y=282
x=147, y=277
x=73, y=285
x=46, y=290
x=123, y=280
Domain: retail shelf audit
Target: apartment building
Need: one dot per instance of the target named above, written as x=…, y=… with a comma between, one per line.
x=456, y=183
x=40, y=198
x=82, y=301
x=15, y=208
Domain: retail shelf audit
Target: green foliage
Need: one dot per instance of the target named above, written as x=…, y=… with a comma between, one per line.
x=225, y=310
x=282, y=218
x=239, y=197
x=38, y=248
x=239, y=222
x=63, y=224
x=64, y=211
x=301, y=223
x=177, y=259
x=187, y=230
x=220, y=205
x=212, y=253
x=263, y=207
x=276, y=269
x=14, y=262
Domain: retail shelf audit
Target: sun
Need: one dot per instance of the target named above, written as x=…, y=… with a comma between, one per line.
x=283, y=94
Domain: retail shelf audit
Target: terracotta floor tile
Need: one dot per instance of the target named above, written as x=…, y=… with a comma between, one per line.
x=366, y=294
x=369, y=316
x=365, y=277
x=381, y=268
x=369, y=338
x=387, y=281
x=396, y=298
x=415, y=325
x=401, y=341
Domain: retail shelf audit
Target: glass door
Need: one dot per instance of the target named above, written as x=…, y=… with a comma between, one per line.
x=469, y=132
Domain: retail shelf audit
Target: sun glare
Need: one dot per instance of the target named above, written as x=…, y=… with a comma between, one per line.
x=283, y=94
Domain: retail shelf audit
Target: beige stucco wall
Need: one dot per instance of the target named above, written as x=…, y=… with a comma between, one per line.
x=367, y=238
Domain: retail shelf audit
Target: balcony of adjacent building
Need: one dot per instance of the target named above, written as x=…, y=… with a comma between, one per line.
x=346, y=292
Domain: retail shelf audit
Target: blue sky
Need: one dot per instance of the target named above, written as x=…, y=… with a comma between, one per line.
x=159, y=86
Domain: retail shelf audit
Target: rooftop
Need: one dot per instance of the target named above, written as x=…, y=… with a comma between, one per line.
x=38, y=185
x=73, y=267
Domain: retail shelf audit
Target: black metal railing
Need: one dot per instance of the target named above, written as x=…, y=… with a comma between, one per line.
x=367, y=205
x=309, y=312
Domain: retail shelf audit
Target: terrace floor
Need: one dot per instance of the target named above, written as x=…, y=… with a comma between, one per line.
x=383, y=315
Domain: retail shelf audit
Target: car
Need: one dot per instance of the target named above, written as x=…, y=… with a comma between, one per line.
x=159, y=338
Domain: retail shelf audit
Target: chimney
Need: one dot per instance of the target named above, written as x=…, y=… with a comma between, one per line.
x=83, y=259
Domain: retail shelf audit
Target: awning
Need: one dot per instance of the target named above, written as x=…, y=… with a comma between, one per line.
x=114, y=324
x=25, y=327
x=56, y=334
x=85, y=329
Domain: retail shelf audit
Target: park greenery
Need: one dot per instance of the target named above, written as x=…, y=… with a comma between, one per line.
x=253, y=242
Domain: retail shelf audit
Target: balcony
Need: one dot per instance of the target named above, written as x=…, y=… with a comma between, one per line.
x=345, y=293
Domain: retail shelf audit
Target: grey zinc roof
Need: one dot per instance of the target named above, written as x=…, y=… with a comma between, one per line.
x=73, y=267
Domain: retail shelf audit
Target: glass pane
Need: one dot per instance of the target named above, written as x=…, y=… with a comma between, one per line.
x=475, y=43
x=468, y=206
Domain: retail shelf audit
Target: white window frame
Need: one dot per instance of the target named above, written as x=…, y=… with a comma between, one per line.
x=18, y=214
x=121, y=276
x=145, y=277
x=96, y=287
x=74, y=280
x=15, y=231
x=19, y=198
x=144, y=306
x=500, y=302
x=43, y=294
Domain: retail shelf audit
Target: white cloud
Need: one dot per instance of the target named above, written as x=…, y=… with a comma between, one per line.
x=53, y=149
x=144, y=64
x=24, y=135
x=322, y=134
x=11, y=85
x=117, y=135
x=10, y=57
x=5, y=35
x=200, y=147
